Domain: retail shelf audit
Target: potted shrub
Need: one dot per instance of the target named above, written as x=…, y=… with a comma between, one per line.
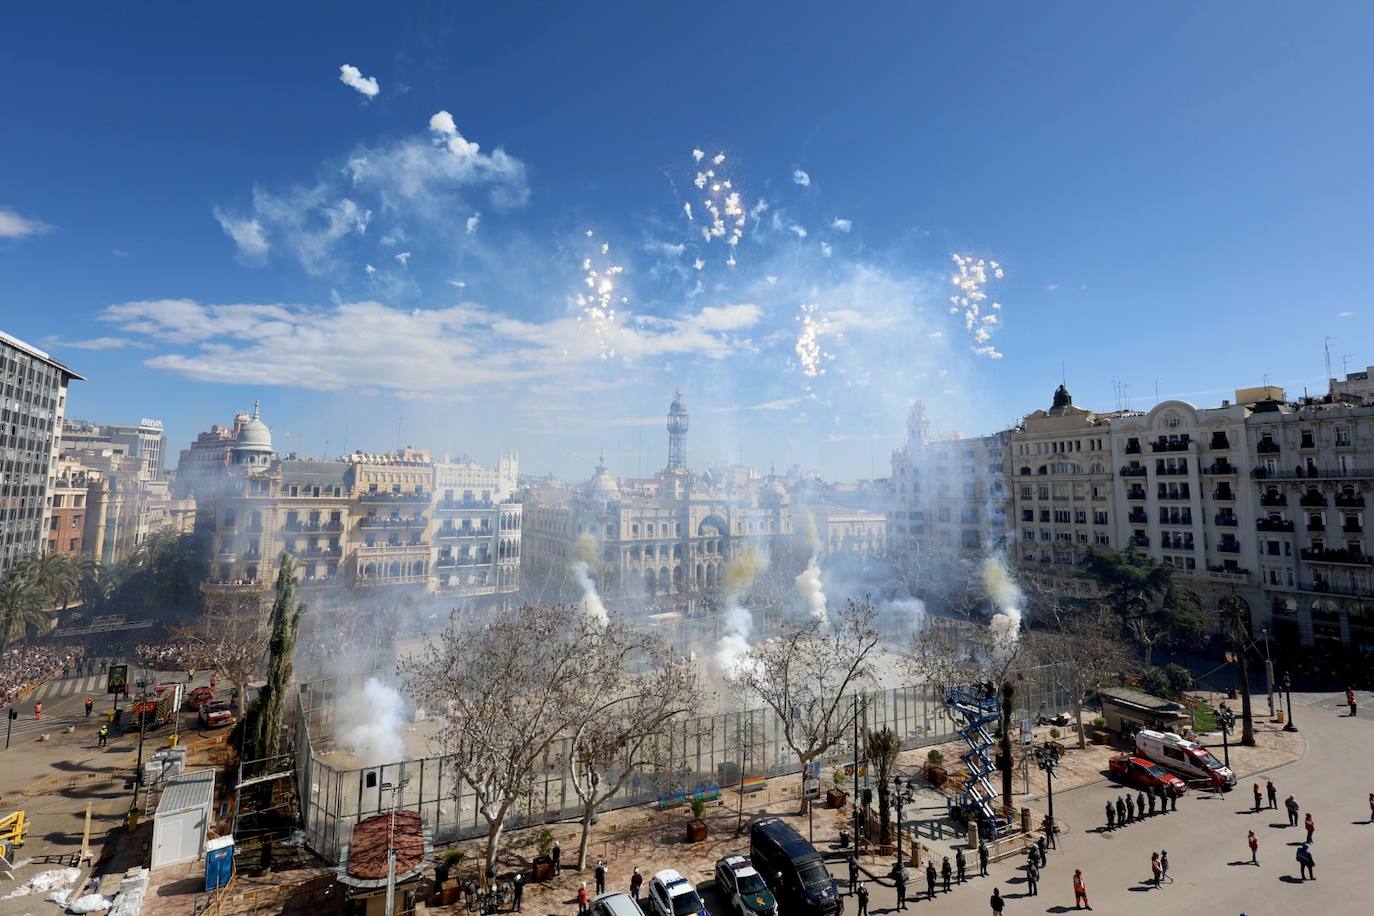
x=837, y=797
x=696, y=827
x=935, y=771
x=451, y=861
x=542, y=869
x=1100, y=734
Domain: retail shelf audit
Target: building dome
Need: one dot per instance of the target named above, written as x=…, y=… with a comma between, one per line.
x=773, y=493
x=602, y=486
x=253, y=441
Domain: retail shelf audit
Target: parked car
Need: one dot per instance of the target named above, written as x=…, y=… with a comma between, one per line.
x=615, y=904
x=743, y=888
x=793, y=870
x=670, y=894
x=216, y=714
x=1143, y=774
x=1184, y=757
x=199, y=697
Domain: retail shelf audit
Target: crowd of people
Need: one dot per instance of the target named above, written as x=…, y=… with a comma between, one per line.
x=179, y=654
x=26, y=666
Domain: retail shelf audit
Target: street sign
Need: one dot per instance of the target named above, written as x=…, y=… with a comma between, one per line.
x=1027, y=733
x=118, y=679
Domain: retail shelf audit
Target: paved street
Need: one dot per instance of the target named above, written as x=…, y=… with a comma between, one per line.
x=1206, y=841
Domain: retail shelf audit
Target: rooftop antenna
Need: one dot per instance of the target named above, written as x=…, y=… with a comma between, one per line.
x=1326, y=346
x=1063, y=374
x=1345, y=363
x=1156, y=389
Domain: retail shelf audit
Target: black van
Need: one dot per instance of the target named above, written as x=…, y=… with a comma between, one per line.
x=793, y=870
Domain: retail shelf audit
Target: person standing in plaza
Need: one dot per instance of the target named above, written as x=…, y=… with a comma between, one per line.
x=945, y=872
x=931, y=878
x=637, y=882
x=1080, y=890
x=557, y=858
x=518, y=883
x=1306, y=864
x=899, y=882
x=1151, y=798
x=1120, y=811
x=1309, y=826
x=601, y=876
x=102, y=737
x=853, y=874
x=1130, y=807
x=996, y=902
x=863, y=899
x=1174, y=793
x=1111, y=813
x=1259, y=799
x=1164, y=865
x=961, y=866
x=983, y=858
x=1163, y=799
x=1272, y=792
x=90, y=702
x=1254, y=848
x=1350, y=700
x=1155, y=868
x=1291, y=804
x=1032, y=878
x=1140, y=805
x=1371, y=807
x=582, y=898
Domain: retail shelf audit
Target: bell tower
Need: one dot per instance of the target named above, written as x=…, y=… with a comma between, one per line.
x=677, y=433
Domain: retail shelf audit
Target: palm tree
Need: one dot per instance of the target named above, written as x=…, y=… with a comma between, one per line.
x=1235, y=624
x=21, y=607
x=55, y=574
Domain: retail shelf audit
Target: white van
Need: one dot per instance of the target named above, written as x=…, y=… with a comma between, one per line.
x=1183, y=756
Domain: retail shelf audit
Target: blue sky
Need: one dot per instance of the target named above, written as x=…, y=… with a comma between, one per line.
x=1178, y=196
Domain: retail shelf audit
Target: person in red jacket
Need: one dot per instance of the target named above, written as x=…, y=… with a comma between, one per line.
x=1080, y=893
x=1350, y=700
x=1254, y=848
x=582, y=899
x=1310, y=826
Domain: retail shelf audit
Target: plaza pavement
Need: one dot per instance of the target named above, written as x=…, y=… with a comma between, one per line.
x=1206, y=840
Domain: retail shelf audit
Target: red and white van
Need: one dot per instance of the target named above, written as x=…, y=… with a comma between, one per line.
x=1183, y=756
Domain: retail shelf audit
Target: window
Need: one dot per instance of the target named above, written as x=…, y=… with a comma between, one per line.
x=1343, y=436
x=942, y=514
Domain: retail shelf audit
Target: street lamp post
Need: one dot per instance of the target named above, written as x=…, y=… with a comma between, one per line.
x=1047, y=758
x=1227, y=720
x=1288, y=689
x=902, y=795
x=1268, y=673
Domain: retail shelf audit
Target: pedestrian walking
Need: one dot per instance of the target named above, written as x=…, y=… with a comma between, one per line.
x=37, y=711
x=931, y=878
x=1371, y=807
x=1155, y=868
x=557, y=858
x=1150, y=796
x=637, y=882
x=519, y=893
x=1130, y=807
x=1306, y=864
x=1310, y=826
x=1111, y=813
x=1350, y=701
x=1254, y=848
x=90, y=702
x=960, y=865
x=945, y=872
x=1120, y=811
x=1080, y=891
x=102, y=737
x=853, y=874
x=863, y=899
x=1032, y=878
x=1164, y=865
x=1272, y=792
x=582, y=898
x=1291, y=804
x=983, y=858
x=601, y=876
x=1041, y=845
x=1259, y=800
x=1174, y=793
x=996, y=902
x=899, y=882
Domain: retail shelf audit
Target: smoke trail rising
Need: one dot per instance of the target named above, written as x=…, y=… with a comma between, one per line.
x=372, y=724
x=1006, y=623
x=585, y=551
x=740, y=573
x=808, y=581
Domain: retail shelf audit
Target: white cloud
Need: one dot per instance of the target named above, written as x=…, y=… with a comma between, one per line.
x=473, y=222
x=441, y=122
x=403, y=258
x=839, y=224
x=1051, y=287
x=798, y=231
x=14, y=226
x=800, y=177
x=1344, y=314
x=350, y=75
x=94, y=343
x=826, y=250
x=246, y=233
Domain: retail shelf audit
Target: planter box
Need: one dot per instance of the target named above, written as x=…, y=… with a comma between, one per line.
x=1101, y=736
x=696, y=831
x=836, y=798
x=542, y=868
x=937, y=775
x=448, y=894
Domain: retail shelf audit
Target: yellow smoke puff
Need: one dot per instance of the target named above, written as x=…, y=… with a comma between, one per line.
x=741, y=572
x=585, y=550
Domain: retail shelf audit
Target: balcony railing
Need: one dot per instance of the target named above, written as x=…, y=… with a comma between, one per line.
x=1267, y=447
x=453, y=562
x=1139, y=540
x=376, y=521
x=1274, y=524
x=1164, y=470
x=1181, y=444
x=1128, y=471
x=318, y=553
x=1133, y=448
x=1171, y=544
x=307, y=526
x=1313, y=473
x=1219, y=441
x=1350, y=502
x=1175, y=517
x=1229, y=547
x=454, y=505
x=1315, y=501
x=1226, y=521
x=1175, y=495
x=1307, y=443
x=1220, y=467
x=1135, y=493
x=1342, y=556
x=1138, y=516
x=1222, y=574
x=1331, y=588
x=1224, y=493
x=1280, y=499
x=476, y=532
x=231, y=585
x=384, y=550
x=1352, y=528
x=413, y=497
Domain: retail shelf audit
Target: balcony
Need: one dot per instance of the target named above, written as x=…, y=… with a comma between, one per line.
x=1133, y=448
x=1225, y=574
x=307, y=526
x=458, y=562
x=455, y=505
x=1275, y=499
x=1175, y=517
x=1135, y=493
x=1220, y=467
x=1349, y=502
x=376, y=521
x=1220, y=441
x=1331, y=588
x=1312, y=500
x=1315, y=472
x=1229, y=547
x=1137, y=516
x=1176, y=544
x=459, y=590
x=1307, y=443
x=450, y=533
x=1139, y=540
x=1174, y=495
x=1267, y=447
x=1226, y=521
x=1352, y=528
x=230, y=586
x=381, y=551
x=1164, y=470
x=1282, y=525
x=317, y=553
x=1224, y=493
x=1133, y=471
x=1180, y=444
x=1316, y=524
x=418, y=496
x=1340, y=557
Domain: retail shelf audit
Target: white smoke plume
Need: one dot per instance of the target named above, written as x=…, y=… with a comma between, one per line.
x=585, y=551
x=370, y=723
x=738, y=622
x=808, y=581
x=1007, y=596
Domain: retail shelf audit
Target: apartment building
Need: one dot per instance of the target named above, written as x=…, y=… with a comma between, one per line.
x=35, y=401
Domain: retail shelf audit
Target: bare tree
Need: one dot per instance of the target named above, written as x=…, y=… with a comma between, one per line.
x=1084, y=649
x=647, y=689
x=512, y=687
x=231, y=639
x=805, y=673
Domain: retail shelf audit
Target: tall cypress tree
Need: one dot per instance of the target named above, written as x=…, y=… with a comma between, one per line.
x=267, y=716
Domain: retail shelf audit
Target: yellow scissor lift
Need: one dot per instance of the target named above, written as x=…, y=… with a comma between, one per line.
x=12, y=830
